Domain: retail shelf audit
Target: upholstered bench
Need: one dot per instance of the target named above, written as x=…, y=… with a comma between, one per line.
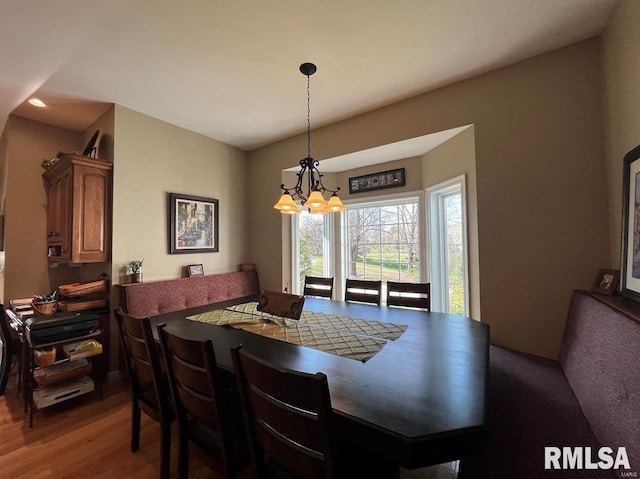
x=159, y=297
x=589, y=398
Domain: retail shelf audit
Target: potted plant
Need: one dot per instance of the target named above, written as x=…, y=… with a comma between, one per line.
x=135, y=267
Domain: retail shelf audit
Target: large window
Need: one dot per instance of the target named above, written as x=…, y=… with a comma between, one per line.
x=383, y=241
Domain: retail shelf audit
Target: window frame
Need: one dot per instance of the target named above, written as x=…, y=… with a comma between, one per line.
x=436, y=240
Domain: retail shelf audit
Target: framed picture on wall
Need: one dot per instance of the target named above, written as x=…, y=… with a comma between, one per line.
x=377, y=181
x=630, y=277
x=193, y=224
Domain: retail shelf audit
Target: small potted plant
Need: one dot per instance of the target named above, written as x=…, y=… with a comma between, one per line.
x=135, y=268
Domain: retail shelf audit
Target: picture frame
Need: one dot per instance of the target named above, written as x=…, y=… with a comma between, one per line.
x=377, y=181
x=606, y=281
x=193, y=224
x=630, y=261
x=195, y=270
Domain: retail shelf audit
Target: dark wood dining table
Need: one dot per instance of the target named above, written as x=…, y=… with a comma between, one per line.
x=419, y=401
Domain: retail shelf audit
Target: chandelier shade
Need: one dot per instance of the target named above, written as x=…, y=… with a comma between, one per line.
x=309, y=189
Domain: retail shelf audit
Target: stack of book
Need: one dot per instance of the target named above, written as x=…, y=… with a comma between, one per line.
x=22, y=307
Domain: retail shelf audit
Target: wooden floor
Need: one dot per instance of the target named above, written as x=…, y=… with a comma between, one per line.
x=82, y=438
x=87, y=438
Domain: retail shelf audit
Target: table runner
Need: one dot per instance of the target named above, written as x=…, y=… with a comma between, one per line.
x=353, y=338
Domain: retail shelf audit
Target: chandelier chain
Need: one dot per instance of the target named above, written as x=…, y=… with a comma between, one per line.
x=308, y=117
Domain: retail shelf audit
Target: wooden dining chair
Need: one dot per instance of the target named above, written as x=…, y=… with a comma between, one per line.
x=149, y=391
x=203, y=406
x=317, y=286
x=410, y=295
x=287, y=417
x=363, y=291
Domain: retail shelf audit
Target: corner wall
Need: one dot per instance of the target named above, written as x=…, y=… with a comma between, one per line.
x=153, y=158
x=542, y=213
x=621, y=53
x=26, y=265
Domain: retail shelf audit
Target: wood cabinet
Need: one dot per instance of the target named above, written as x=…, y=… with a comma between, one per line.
x=78, y=209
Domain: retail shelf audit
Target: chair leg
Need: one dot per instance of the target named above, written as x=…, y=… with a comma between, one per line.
x=135, y=427
x=183, y=455
x=165, y=449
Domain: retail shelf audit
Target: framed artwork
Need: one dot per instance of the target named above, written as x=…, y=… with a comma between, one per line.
x=606, y=281
x=377, y=181
x=630, y=277
x=193, y=224
x=195, y=270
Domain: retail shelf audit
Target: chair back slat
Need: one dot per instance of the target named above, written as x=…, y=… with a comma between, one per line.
x=192, y=370
x=410, y=295
x=287, y=416
x=363, y=291
x=317, y=286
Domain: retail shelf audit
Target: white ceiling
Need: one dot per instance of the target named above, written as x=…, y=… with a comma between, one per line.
x=228, y=69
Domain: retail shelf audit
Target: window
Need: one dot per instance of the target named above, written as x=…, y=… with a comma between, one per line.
x=311, y=244
x=448, y=247
x=383, y=240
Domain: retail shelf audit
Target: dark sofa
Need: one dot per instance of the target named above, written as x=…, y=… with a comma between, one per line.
x=590, y=397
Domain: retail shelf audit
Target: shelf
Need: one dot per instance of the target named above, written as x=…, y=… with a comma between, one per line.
x=75, y=339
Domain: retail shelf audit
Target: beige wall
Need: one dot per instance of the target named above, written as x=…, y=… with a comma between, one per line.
x=454, y=158
x=542, y=221
x=621, y=47
x=27, y=269
x=153, y=158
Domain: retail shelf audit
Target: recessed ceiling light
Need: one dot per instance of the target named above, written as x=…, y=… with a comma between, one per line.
x=37, y=102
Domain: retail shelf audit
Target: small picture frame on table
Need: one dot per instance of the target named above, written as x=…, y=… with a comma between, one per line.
x=195, y=270
x=606, y=282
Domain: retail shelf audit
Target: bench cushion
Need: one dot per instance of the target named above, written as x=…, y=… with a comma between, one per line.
x=159, y=297
x=600, y=357
x=530, y=406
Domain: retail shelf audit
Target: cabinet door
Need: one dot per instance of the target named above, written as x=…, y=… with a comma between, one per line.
x=91, y=219
x=58, y=216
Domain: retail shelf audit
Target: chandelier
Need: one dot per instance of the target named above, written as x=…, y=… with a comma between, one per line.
x=313, y=199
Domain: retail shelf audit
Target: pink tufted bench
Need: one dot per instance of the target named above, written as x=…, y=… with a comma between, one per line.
x=160, y=297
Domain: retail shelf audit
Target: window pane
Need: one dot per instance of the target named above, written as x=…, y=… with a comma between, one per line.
x=454, y=250
x=311, y=256
x=383, y=242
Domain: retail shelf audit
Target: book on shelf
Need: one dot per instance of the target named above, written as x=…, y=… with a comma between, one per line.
x=25, y=313
x=18, y=304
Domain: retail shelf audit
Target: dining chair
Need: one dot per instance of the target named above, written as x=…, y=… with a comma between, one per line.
x=203, y=404
x=363, y=291
x=317, y=286
x=149, y=391
x=287, y=417
x=410, y=295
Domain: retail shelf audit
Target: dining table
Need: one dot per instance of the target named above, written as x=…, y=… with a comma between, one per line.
x=420, y=400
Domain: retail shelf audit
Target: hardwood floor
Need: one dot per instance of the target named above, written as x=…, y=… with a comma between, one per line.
x=87, y=438
x=82, y=438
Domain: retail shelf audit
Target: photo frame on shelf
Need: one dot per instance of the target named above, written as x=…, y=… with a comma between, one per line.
x=193, y=224
x=195, y=270
x=377, y=181
x=606, y=281
x=630, y=274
